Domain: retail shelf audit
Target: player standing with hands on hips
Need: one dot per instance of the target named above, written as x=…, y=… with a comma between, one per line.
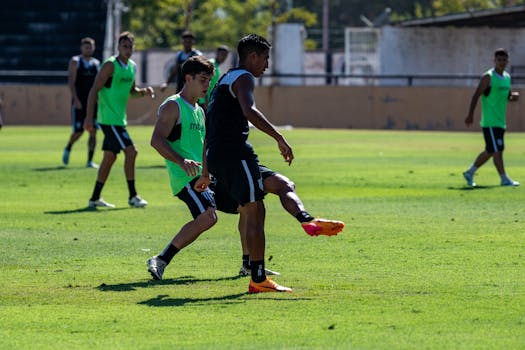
x=494, y=89
x=113, y=85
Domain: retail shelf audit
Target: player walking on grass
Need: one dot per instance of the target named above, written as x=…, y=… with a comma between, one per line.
x=81, y=74
x=494, y=89
x=178, y=136
x=112, y=87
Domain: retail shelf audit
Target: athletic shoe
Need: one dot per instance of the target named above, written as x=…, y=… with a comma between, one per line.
x=137, y=202
x=246, y=271
x=156, y=267
x=509, y=182
x=90, y=164
x=100, y=203
x=324, y=227
x=65, y=156
x=266, y=286
x=470, y=179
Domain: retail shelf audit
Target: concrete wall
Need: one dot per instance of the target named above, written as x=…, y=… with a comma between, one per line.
x=447, y=50
x=402, y=108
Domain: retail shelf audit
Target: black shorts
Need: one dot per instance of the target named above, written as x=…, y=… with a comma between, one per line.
x=241, y=179
x=116, y=138
x=197, y=202
x=77, y=119
x=494, y=139
x=225, y=202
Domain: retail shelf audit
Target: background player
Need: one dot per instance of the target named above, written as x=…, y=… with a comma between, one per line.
x=188, y=40
x=82, y=71
x=494, y=89
x=221, y=54
x=113, y=85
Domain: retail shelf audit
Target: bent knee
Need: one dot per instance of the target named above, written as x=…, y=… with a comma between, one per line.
x=208, y=218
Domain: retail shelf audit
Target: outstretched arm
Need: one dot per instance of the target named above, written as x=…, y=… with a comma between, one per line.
x=243, y=89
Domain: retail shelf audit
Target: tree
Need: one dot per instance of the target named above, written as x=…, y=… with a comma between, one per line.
x=159, y=23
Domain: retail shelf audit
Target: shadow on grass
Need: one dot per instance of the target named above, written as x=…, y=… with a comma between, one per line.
x=83, y=210
x=60, y=167
x=164, y=301
x=184, y=280
x=469, y=188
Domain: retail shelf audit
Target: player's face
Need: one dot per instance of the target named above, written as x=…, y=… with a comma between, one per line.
x=501, y=61
x=187, y=43
x=87, y=49
x=125, y=48
x=260, y=63
x=200, y=84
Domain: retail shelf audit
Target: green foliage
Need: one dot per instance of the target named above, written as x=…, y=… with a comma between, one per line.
x=423, y=263
x=159, y=23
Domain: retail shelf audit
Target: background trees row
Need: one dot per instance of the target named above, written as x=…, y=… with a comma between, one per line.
x=159, y=23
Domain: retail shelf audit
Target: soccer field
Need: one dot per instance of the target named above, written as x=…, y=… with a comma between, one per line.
x=423, y=263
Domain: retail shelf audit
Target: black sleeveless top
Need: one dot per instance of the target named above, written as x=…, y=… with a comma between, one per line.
x=227, y=128
x=86, y=73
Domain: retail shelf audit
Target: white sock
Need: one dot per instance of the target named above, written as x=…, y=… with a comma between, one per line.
x=472, y=169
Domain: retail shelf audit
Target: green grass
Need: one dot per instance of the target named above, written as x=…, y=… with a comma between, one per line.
x=424, y=263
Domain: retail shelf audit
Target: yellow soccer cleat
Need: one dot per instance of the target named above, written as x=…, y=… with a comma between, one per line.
x=266, y=286
x=323, y=227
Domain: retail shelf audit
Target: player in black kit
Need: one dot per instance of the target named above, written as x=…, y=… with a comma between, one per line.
x=82, y=71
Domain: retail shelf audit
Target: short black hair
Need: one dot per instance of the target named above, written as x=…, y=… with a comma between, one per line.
x=187, y=34
x=197, y=64
x=251, y=43
x=501, y=52
x=126, y=36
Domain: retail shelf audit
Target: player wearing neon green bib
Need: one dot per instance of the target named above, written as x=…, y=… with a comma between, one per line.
x=113, y=84
x=186, y=138
x=220, y=56
x=113, y=97
x=494, y=101
x=178, y=136
x=494, y=89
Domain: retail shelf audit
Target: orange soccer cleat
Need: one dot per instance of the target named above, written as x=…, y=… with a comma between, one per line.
x=266, y=286
x=324, y=227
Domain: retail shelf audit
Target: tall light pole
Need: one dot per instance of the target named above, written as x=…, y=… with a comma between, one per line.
x=326, y=39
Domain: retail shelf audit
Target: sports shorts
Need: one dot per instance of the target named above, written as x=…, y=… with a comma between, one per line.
x=197, y=202
x=77, y=119
x=224, y=200
x=494, y=139
x=240, y=178
x=116, y=138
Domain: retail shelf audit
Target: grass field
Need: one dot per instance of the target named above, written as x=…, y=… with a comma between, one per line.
x=423, y=263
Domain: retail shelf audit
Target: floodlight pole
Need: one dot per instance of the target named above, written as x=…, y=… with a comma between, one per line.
x=326, y=39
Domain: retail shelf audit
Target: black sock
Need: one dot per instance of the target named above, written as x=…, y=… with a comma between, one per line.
x=68, y=147
x=131, y=188
x=90, y=155
x=258, y=274
x=96, y=191
x=246, y=261
x=304, y=216
x=168, y=253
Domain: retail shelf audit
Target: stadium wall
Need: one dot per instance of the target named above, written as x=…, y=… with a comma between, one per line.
x=354, y=107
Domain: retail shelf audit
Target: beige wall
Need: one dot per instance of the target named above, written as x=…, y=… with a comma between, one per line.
x=425, y=108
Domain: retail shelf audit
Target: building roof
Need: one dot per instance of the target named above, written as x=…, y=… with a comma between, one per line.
x=506, y=17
